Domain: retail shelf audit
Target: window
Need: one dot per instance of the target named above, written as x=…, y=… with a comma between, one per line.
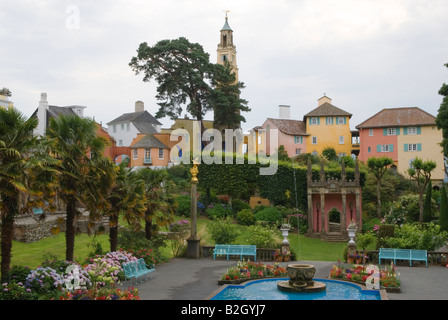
x=298, y=151
x=122, y=126
x=160, y=153
x=385, y=148
x=128, y=126
x=412, y=130
x=371, y=132
x=120, y=143
x=147, y=159
x=413, y=147
x=343, y=154
x=329, y=120
x=314, y=121
x=341, y=139
x=135, y=154
x=369, y=149
x=114, y=128
x=391, y=131
x=298, y=139
x=314, y=140
x=340, y=120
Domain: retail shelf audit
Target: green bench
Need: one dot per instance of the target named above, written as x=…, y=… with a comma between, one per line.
x=403, y=254
x=235, y=250
x=137, y=269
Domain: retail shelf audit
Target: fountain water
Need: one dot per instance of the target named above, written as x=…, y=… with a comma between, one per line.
x=301, y=279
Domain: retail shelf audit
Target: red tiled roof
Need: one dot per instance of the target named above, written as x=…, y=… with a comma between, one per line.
x=399, y=117
x=326, y=110
x=291, y=127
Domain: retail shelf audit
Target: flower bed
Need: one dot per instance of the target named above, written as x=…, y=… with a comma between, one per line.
x=96, y=279
x=247, y=270
x=389, y=279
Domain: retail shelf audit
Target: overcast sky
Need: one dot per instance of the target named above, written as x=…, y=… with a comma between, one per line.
x=365, y=55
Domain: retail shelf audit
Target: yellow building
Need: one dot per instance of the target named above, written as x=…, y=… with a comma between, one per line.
x=328, y=126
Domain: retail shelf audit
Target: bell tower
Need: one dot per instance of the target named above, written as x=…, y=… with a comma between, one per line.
x=226, y=48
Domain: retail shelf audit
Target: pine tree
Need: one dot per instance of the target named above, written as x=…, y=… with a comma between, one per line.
x=427, y=209
x=443, y=220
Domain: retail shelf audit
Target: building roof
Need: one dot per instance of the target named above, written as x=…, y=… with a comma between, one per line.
x=398, y=117
x=149, y=141
x=226, y=26
x=143, y=121
x=291, y=127
x=326, y=110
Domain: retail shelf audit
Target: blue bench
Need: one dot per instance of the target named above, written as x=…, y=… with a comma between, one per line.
x=403, y=254
x=235, y=250
x=137, y=269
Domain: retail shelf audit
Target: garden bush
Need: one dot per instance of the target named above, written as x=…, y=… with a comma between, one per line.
x=260, y=236
x=238, y=205
x=272, y=215
x=219, y=211
x=245, y=217
x=415, y=236
x=183, y=205
x=223, y=231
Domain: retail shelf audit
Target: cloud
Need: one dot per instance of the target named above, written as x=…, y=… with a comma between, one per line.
x=365, y=54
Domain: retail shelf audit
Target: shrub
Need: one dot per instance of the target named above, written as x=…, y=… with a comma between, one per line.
x=44, y=281
x=415, y=236
x=16, y=291
x=270, y=214
x=245, y=217
x=183, y=205
x=219, y=211
x=223, y=231
x=262, y=237
x=238, y=205
x=18, y=274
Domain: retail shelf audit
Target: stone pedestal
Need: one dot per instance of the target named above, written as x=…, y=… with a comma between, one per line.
x=193, y=248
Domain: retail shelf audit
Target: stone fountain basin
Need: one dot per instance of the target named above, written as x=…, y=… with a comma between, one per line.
x=301, y=279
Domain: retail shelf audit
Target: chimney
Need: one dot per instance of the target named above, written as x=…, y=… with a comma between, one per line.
x=284, y=111
x=139, y=106
x=323, y=100
x=42, y=115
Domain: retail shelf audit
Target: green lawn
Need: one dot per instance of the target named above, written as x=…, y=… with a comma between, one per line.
x=311, y=249
x=31, y=254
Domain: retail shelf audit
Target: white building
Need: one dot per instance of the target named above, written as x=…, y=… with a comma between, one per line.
x=126, y=127
x=45, y=112
x=4, y=101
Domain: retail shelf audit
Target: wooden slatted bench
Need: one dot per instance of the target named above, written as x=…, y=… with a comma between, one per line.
x=403, y=254
x=137, y=269
x=236, y=250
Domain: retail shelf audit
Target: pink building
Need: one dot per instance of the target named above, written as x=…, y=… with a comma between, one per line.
x=291, y=133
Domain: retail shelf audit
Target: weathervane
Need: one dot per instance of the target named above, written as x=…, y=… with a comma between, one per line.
x=226, y=11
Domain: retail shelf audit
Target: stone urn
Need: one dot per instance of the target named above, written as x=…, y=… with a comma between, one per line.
x=301, y=275
x=301, y=279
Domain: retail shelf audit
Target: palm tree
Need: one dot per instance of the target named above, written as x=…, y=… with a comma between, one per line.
x=79, y=149
x=159, y=199
x=127, y=197
x=25, y=172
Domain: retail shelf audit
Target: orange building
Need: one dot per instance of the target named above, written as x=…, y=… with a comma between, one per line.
x=152, y=150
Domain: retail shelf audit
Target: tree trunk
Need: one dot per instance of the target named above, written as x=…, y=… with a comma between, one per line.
x=7, y=222
x=70, y=229
x=420, y=204
x=378, y=197
x=148, y=227
x=113, y=232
